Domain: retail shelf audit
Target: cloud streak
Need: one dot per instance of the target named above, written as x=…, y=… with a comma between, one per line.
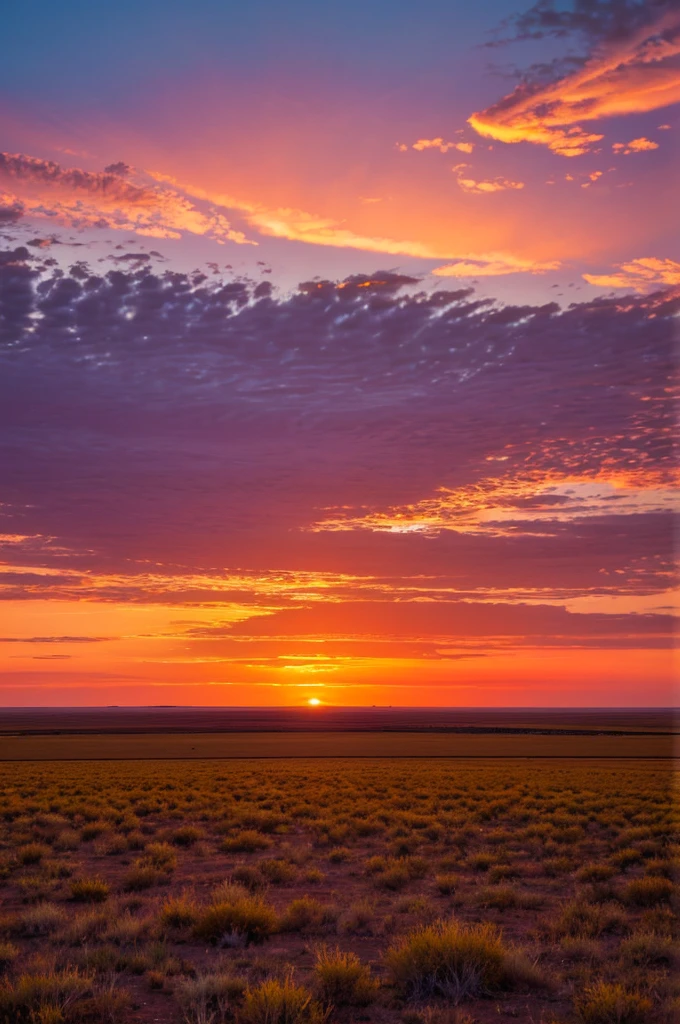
x=633, y=75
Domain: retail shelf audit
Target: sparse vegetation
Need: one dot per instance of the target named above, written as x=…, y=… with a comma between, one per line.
x=200, y=889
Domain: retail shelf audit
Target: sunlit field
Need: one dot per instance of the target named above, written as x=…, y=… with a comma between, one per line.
x=299, y=892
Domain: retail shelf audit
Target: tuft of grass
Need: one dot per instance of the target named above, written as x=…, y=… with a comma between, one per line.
x=446, y=884
x=248, y=841
x=358, y=919
x=179, y=912
x=339, y=854
x=277, y=871
x=342, y=979
x=38, y=921
x=595, y=873
x=8, y=954
x=648, y=891
x=647, y=949
x=281, y=1002
x=242, y=919
x=497, y=897
x=89, y=890
x=210, y=997
x=187, y=835
x=454, y=961
x=32, y=853
x=51, y=996
x=606, y=1003
x=307, y=915
x=142, y=876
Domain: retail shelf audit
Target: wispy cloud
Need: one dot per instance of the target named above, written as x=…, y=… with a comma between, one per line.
x=483, y=186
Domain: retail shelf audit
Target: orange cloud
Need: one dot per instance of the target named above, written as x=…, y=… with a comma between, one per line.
x=509, y=506
x=494, y=265
x=632, y=76
x=634, y=146
x=643, y=274
x=498, y=184
x=443, y=147
x=87, y=199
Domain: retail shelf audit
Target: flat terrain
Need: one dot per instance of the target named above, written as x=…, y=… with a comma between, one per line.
x=380, y=890
x=108, y=746
x=545, y=721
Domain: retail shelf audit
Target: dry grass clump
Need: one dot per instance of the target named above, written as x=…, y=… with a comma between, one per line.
x=453, y=961
x=187, y=835
x=647, y=949
x=358, y=919
x=583, y=920
x=142, y=876
x=342, y=979
x=38, y=921
x=179, y=912
x=248, y=841
x=209, y=998
x=89, y=890
x=55, y=997
x=8, y=954
x=648, y=891
x=32, y=853
x=281, y=1002
x=277, y=871
x=307, y=915
x=236, y=919
x=605, y=1003
x=446, y=884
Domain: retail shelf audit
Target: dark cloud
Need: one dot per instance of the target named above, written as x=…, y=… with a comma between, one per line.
x=177, y=437
x=599, y=20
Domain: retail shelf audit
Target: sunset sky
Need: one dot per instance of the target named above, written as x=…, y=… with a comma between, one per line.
x=337, y=352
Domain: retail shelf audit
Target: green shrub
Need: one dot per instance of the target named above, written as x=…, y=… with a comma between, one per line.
x=605, y=1003
x=89, y=890
x=280, y=1002
x=342, y=979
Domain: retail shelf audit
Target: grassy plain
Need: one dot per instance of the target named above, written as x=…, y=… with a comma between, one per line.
x=311, y=891
x=331, y=744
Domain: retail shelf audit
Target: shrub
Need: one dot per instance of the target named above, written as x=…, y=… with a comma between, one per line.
x=498, y=897
x=246, y=918
x=249, y=841
x=606, y=1003
x=187, y=835
x=41, y=920
x=648, y=891
x=89, y=890
x=142, y=876
x=209, y=997
x=179, y=912
x=646, y=949
x=307, y=915
x=595, y=873
x=342, y=979
x=583, y=920
x=446, y=884
x=249, y=876
x=160, y=856
x=623, y=859
x=32, y=853
x=359, y=919
x=8, y=954
x=42, y=997
x=481, y=861
x=277, y=871
x=280, y=1002
x=339, y=854
x=451, y=960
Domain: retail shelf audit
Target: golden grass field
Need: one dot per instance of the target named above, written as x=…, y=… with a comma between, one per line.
x=331, y=744
x=305, y=891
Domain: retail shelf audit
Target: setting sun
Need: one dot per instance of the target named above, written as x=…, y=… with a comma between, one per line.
x=314, y=701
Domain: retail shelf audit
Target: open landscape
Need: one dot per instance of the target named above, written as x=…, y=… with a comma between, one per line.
x=301, y=890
